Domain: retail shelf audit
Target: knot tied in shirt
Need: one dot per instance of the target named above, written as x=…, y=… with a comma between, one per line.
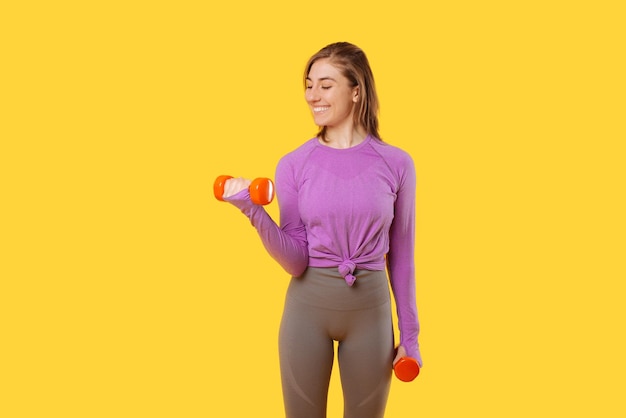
x=346, y=269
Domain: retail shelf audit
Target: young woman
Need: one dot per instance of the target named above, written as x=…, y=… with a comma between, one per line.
x=347, y=217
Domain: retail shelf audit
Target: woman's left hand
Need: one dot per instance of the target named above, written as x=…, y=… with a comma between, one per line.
x=400, y=352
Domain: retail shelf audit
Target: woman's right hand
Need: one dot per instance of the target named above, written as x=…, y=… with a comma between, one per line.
x=234, y=186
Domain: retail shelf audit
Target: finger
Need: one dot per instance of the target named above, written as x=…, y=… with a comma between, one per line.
x=234, y=186
x=396, y=359
x=231, y=187
x=400, y=352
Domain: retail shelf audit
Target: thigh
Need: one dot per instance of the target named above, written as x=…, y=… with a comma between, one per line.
x=306, y=359
x=365, y=362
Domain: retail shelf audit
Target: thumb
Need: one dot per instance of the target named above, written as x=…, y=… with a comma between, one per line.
x=400, y=352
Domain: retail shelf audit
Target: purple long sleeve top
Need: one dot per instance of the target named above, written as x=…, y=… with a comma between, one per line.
x=349, y=209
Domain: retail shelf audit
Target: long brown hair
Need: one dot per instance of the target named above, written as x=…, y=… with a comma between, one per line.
x=353, y=64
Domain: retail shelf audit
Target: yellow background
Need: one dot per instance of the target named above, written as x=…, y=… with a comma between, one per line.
x=128, y=291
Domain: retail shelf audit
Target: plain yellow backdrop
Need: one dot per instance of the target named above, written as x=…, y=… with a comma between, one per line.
x=128, y=291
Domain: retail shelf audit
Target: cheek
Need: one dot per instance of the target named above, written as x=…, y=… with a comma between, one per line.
x=347, y=104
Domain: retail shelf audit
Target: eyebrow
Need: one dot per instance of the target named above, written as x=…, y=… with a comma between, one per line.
x=322, y=79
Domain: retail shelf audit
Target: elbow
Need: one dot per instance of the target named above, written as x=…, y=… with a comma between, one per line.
x=297, y=269
x=298, y=265
x=295, y=261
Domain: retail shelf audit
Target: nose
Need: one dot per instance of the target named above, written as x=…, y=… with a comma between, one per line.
x=311, y=95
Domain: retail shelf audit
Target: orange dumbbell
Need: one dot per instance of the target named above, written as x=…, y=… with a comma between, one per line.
x=406, y=369
x=261, y=189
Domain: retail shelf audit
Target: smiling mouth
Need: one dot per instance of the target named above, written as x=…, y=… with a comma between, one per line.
x=320, y=109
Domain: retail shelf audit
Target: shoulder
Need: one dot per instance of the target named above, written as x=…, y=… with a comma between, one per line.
x=299, y=153
x=295, y=158
x=393, y=156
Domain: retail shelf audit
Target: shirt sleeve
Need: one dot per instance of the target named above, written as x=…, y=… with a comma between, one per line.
x=401, y=260
x=286, y=243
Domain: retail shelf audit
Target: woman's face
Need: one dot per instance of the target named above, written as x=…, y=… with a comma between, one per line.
x=330, y=95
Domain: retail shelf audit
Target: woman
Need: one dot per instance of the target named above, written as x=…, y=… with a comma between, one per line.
x=347, y=211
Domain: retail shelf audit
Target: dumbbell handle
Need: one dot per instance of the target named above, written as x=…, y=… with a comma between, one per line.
x=261, y=189
x=406, y=369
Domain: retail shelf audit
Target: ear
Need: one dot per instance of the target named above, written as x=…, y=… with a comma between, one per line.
x=355, y=94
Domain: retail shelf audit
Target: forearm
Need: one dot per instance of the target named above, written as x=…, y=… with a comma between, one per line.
x=288, y=248
x=402, y=277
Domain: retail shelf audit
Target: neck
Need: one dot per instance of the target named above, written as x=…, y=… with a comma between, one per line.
x=344, y=138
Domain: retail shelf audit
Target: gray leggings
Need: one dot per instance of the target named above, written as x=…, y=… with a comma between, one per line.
x=319, y=308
